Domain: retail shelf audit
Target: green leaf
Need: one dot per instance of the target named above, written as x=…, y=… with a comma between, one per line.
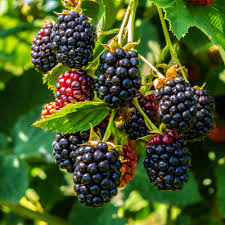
x=75, y=117
x=183, y=15
x=141, y=183
x=13, y=179
x=215, y=81
x=30, y=141
x=51, y=78
x=221, y=188
x=106, y=215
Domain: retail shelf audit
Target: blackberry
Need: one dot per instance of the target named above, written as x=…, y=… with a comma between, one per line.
x=73, y=39
x=73, y=86
x=204, y=117
x=48, y=110
x=43, y=57
x=135, y=127
x=201, y=2
x=149, y=104
x=97, y=174
x=177, y=105
x=119, y=79
x=64, y=144
x=129, y=165
x=167, y=161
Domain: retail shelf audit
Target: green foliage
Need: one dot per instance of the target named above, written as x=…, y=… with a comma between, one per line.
x=14, y=177
x=75, y=117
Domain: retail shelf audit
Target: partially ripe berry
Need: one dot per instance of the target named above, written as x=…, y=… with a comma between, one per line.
x=48, y=110
x=201, y=2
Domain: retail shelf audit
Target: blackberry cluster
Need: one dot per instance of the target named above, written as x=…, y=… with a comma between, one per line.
x=135, y=127
x=64, y=144
x=43, y=57
x=119, y=80
x=204, y=117
x=73, y=86
x=167, y=161
x=97, y=174
x=201, y=2
x=73, y=39
x=177, y=105
x=48, y=110
x=129, y=165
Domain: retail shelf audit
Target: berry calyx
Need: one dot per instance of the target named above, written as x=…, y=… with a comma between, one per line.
x=167, y=161
x=73, y=39
x=128, y=166
x=73, y=86
x=97, y=174
x=43, y=57
x=119, y=79
x=48, y=110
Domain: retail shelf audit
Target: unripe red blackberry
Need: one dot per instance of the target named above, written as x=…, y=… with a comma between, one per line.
x=201, y=2
x=73, y=39
x=135, y=127
x=73, y=86
x=64, y=144
x=48, y=110
x=167, y=161
x=129, y=165
x=177, y=105
x=97, y=174
x=119, y=79
x=43, y=57
x=204, y=117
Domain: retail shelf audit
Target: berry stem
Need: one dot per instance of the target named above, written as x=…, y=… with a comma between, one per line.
x=131, y=21
x=109, y=32
x=27, y=213
x=151, y=66
x=149, y=123
x=108, y=130
x=169, y=43
x=123, y=25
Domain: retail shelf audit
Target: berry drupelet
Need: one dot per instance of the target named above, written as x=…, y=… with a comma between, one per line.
x=204, y=117
x=129, y=165
x=119, y=79
x=64, y=144
x=48, y=110
x=73, y=86
x=97, y=174
x=167, y=161
x=43, y=57
x=177, y=105
x=73, y=39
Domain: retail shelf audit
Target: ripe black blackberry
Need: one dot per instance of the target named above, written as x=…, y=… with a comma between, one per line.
x=97, y=174
x=119, y=80
x=177, y=105
x=204, y=117
x=167, y=161
x=73, y=39
x=43, y=57
x=135, y=127
x=64, y=144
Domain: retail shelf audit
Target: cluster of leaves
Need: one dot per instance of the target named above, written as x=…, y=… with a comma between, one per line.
x=27, y=167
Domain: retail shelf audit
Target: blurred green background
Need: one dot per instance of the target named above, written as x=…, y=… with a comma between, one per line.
x=32, y=188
